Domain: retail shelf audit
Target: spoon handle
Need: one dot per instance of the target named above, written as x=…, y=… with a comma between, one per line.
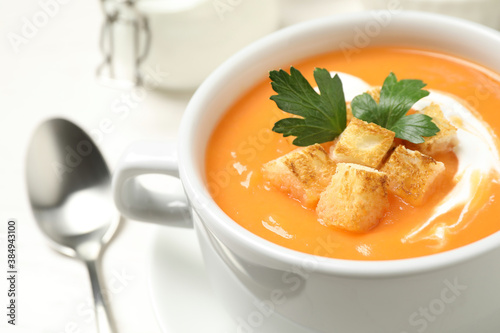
x=103, y=315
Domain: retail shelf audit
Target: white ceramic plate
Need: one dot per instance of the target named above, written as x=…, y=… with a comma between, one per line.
x=182, y=298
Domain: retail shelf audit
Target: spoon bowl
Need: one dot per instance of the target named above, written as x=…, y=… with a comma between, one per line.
x=69, y=189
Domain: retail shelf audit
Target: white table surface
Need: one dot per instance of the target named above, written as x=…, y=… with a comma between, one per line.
x=53, y=75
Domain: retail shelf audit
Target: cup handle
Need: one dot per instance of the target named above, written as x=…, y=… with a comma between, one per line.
x=135, y=201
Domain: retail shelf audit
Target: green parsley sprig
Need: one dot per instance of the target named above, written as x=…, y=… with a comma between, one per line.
x=322, y=117
x=396, y=99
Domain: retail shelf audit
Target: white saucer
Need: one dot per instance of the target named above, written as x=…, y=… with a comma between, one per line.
x=182, y=298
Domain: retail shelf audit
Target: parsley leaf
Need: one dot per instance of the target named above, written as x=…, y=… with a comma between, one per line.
x=396, y=99
x=323, y=115
x=412, y=127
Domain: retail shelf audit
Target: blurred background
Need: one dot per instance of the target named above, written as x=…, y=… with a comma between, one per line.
x=83, y=60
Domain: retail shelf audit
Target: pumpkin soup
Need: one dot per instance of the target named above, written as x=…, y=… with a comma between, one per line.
x=457, y=204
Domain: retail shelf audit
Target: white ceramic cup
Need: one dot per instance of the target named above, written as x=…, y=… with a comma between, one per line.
x=268, y=288
x=190, y=38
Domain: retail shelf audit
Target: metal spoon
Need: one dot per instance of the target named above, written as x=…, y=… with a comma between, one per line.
x=69, y=188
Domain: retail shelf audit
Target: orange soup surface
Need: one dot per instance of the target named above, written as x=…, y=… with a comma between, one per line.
x=243, y=141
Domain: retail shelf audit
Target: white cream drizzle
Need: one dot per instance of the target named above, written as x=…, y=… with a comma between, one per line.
x=274, y=226
x=478, y=157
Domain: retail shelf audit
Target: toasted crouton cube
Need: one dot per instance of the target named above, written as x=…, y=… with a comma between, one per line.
x=348, y=113
x=303, y=173
x=411, y=174
x=445, y=140
x=375, y=93
x=362, y=143
x=356, y=198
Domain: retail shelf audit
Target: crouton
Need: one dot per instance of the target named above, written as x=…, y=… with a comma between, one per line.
x=375, y=93
x=303, y=173
x=362, y=143
x=356, y=198
x=411, y=174
x=445, y=140
x=348, y=113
